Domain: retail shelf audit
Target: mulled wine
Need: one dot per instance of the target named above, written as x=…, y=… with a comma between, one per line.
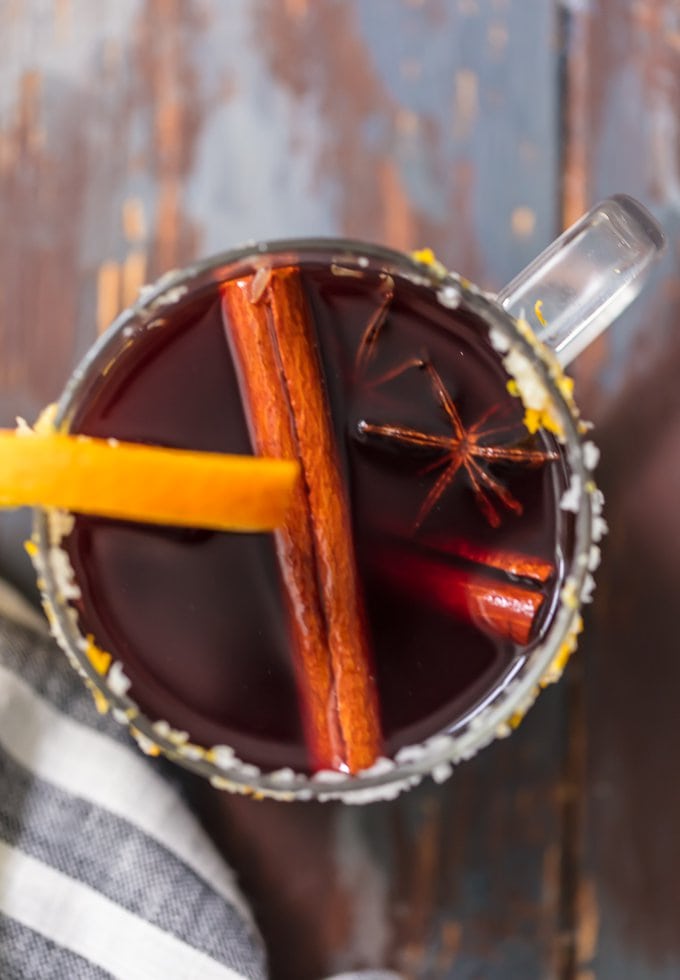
x=427, y=534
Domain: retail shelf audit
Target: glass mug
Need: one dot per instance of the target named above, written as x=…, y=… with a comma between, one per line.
x=459, y=462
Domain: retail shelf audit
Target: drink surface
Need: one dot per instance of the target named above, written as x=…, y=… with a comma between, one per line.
x=198, y=618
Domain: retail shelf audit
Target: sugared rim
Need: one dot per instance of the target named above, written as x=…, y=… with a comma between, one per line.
x=521, y=354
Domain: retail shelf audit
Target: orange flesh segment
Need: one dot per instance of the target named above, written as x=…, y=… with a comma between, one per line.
x=131, y=481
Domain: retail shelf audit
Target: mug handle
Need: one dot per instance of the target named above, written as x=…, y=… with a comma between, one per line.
x=587, y=277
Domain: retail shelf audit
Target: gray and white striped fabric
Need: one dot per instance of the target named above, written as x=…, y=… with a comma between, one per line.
x=103, y=870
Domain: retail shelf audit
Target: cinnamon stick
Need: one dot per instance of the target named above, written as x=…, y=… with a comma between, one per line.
x=269, y=331
x=503, y=609
x=529, y=567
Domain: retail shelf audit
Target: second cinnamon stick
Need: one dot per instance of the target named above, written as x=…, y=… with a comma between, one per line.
x=502, y=609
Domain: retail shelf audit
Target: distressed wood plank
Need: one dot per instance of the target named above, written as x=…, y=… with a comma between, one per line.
x=462, y=879
x=624, y=135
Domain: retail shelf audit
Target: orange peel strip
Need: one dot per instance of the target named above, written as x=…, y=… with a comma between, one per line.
x=131, y=481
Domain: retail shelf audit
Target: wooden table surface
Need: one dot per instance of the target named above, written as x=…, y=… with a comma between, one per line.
x=136, y=135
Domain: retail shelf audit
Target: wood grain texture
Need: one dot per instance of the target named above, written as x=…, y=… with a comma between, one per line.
x=625, y=134
x=462, y=879
x=420, y=107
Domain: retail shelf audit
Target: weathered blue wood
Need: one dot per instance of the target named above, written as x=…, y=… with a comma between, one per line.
x=483, y=78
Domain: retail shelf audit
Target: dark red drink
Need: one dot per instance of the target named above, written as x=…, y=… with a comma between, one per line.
x=458, y=538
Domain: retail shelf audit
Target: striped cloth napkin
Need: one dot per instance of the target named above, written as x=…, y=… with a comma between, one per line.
x=104, y=872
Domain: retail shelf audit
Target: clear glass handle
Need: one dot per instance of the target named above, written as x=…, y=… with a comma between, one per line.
x=587, y=277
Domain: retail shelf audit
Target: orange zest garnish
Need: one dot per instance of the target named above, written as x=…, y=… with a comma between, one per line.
x=538, y=312
x=131, y=481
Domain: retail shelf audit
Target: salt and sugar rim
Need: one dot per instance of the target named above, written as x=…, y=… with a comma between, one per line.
x=535, y=371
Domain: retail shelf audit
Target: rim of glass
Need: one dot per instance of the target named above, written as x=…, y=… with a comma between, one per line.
x=438, y=754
